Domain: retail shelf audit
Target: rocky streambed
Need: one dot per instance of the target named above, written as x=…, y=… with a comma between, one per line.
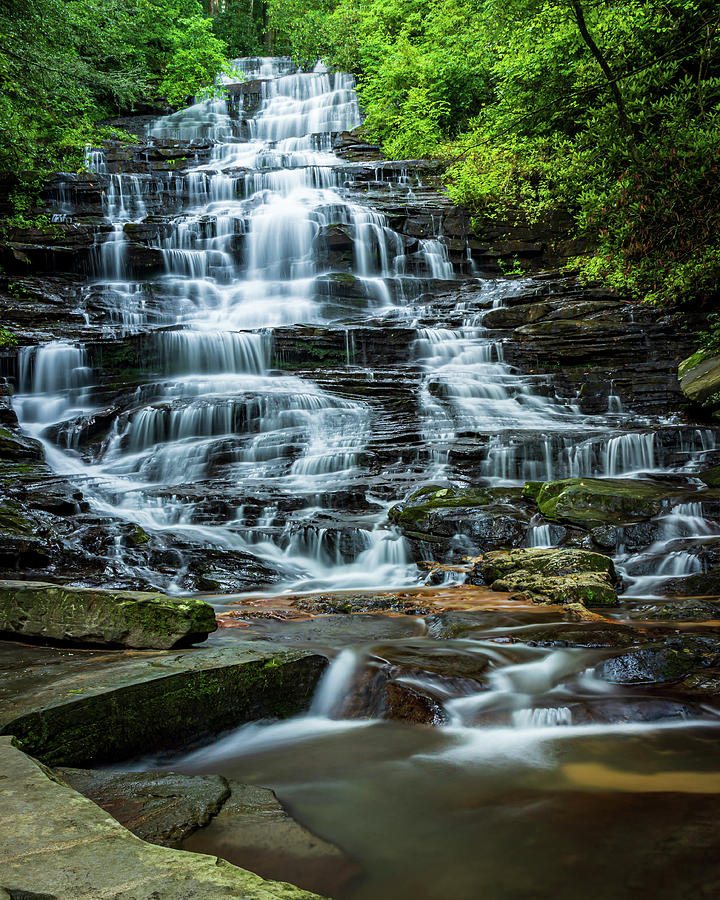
x=273, y=395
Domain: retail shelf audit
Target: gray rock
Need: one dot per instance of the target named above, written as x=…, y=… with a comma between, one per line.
x=253, y=829
x=55, y=842
x=79, y=708
x=159, y=807
x=94, y=616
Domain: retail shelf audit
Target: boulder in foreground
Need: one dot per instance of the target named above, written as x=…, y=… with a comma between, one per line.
x=56, y=843
x=84, y=708
x=551, y=575
x=135, y=619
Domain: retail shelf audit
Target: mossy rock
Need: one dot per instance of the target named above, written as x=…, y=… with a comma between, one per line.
x=591, y=502
x=13, y=521
x=419, y=505
x=93, y=616
x=19, y=448
x=590, y=588
x=700, y=379
x=134, y=704
x=710, y=477
x=550, y=575
x=544, y=561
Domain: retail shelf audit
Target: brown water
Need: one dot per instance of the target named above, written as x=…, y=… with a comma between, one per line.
x=524, y=793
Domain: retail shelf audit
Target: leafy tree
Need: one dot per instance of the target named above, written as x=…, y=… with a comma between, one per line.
x=606, y=109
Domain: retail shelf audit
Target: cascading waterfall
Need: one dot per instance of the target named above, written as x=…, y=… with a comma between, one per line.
x=247, y=251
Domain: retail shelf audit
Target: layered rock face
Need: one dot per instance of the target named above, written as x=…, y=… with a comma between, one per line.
x=248, y=335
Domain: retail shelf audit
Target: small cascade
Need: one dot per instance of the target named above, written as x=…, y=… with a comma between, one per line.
x=681, y=533
x=331, y=694
x=53, y=382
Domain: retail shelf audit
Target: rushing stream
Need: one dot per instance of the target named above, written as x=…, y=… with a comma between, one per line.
x=543, y=773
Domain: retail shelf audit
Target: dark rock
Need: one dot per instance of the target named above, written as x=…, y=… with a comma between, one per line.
x=84, y=708
x=159, y=807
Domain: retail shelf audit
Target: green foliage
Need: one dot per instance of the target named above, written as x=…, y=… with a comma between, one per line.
x=66, y=64
x=608, y=110
x=7, y=338
x=240, y=25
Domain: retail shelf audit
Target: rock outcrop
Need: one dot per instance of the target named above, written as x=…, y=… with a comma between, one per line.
x=82, y=709
x=134, y=619
x=55, y=843
x=550, y=575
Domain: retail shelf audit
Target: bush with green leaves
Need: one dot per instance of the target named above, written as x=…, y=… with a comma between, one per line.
x=67, y=64
x=608, y=110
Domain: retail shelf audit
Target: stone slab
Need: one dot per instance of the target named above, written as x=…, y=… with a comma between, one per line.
x=82, y=709
x=58, y=844
x=137, y=619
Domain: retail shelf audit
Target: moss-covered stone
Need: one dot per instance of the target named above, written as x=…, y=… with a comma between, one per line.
x=591, y=502
x=710, y=477
x=550, y=575
x=93, y=616
x=419, y=505
x=591, y=588
x=125, y=707
x=700, y=379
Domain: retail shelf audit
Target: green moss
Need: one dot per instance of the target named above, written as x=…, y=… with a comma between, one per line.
x=693, y=361
x=12, y=519
x=166, y=711
x=420, y=504
x=591, y=502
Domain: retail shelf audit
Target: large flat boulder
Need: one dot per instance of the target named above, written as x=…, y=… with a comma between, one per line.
x=242, y=823
x=592, y=502
x=84, y=708
x=138, y=619
x=55, y=843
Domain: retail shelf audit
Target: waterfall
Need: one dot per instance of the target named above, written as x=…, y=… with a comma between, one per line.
x=267, y=232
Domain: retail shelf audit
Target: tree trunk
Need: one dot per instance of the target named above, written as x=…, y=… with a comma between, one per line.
x=625, y=122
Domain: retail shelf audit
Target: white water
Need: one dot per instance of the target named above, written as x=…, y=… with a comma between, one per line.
x=245, y=255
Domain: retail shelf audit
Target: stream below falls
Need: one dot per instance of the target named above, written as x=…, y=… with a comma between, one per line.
x=310, y=347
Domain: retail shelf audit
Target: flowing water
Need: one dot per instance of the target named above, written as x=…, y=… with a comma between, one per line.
x=540, y=767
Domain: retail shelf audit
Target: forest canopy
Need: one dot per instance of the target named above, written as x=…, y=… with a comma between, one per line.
x=606, y=109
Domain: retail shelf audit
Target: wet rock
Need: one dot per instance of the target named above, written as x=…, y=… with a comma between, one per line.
x=378, y=694
x=658, y=664
x=711, y=477
x=700, y=380
x=80, y=708
x=698, y=585
x=99, y=857
x=581, y=634
x=16, y=447
x=555, y=576
x=631, y=709
x=52, y=612
x=460, y=624
x=464, y=520
x=159, y=807
x=448, y=660
x=594, y=502
x=253, y=829
x=693, y=609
